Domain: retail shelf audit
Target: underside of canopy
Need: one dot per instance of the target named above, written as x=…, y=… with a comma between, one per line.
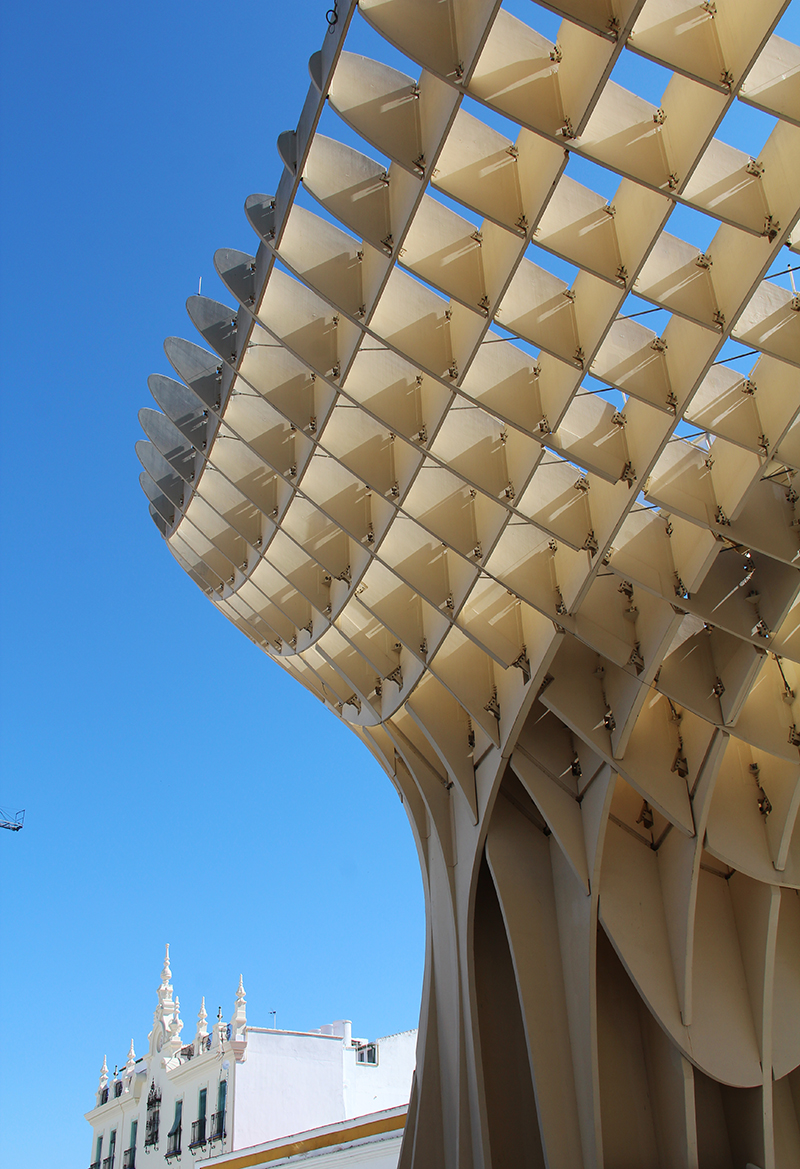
x=501, y=468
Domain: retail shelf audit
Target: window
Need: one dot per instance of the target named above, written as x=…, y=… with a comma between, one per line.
x=367, y=1053
x=199, y=1125
x=153, y=1111
x=174, y=1134
x=129, y=1156
x=218, y=1118
x=108, y=1163
x=98, y=1153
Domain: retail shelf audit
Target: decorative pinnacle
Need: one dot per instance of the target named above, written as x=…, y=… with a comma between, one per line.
x=202, y=1030
x=131, y=1061
x=239, y=1020
x=104, y=1074
x=176, y=1024
x=165, y=989
x=166, y=973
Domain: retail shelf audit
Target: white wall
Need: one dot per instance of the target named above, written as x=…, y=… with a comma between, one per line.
x=288, y=1083
x=372, y=1088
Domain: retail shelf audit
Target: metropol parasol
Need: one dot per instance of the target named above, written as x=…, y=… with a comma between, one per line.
x=501, y=467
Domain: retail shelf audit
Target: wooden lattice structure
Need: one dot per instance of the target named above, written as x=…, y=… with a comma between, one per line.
x=542, y=558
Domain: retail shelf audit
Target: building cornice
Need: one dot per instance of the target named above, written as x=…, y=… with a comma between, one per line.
x=389, y=1122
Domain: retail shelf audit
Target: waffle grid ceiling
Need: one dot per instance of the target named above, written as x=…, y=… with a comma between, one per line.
x=501, y=526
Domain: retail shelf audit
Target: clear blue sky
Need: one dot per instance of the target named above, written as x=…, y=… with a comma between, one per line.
x=179, y=786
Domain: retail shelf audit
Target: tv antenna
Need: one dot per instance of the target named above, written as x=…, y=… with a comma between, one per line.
x=12, y=823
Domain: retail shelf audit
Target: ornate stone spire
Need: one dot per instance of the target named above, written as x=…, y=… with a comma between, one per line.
x=165, y=989
x=175, y=1026
x=163, y=1015
x=103, y=1075
x=239, y=1020
x=202, y=1030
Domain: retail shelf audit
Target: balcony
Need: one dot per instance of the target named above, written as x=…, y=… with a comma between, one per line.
x=217, y=1127
x=129, y=1159
x=95, y=1165
x=198, y=1133
x=108, y=1162
x=173, y=1144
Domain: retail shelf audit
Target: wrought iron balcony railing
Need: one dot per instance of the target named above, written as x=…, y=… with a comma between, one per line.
x=174, y=1144
x=198, y=1133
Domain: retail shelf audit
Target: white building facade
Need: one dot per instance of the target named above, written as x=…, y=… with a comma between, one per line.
x=236, y=1086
